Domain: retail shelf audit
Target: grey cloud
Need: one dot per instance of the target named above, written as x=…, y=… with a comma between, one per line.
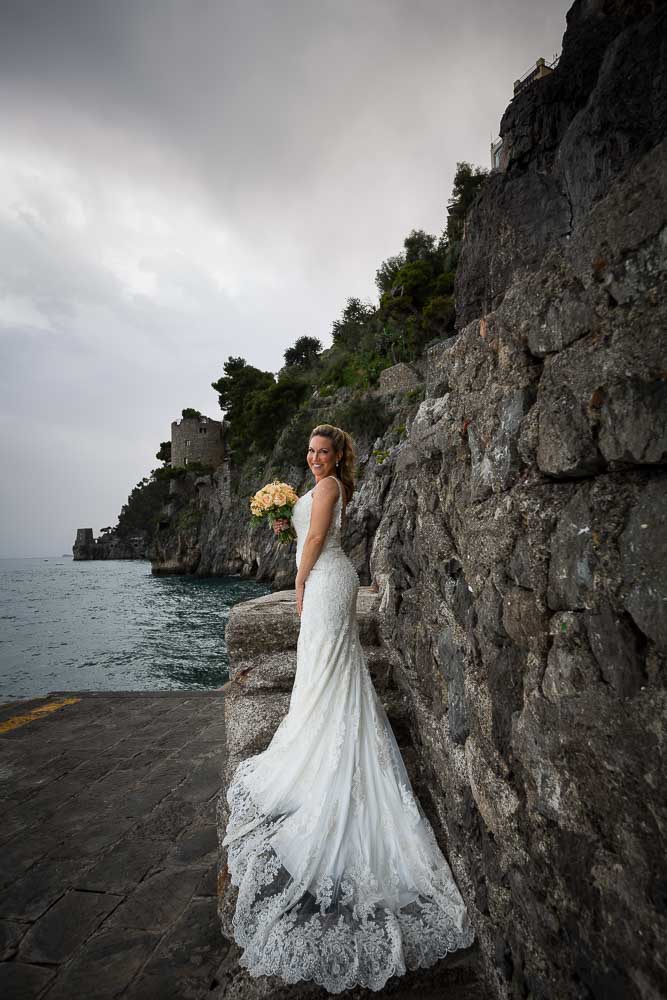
x=183, y=181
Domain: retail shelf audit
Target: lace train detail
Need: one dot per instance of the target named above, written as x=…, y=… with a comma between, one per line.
x=336, y=932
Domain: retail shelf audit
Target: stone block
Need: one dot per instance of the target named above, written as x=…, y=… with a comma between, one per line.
x=616, y=647
x=20, y=981
x=157, y=901
x=495, y=466
x=105, y=965
x=633, y=421
x=438, y=368
x=452, y=663
x=166, y=821
x=643, y=549
x=398, y=378
x=572, y=563
x=10, y=936
x=571, y=667
x=523, y=620
x=38, y=889
x=122, y=867
x=252, y=718
x=566, y=315
x=184, y=964
x=566, y=445
x=195, y=846
x=262, y=626
x=56, y=935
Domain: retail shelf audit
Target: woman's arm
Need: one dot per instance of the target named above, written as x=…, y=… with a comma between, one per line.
x=325, y=495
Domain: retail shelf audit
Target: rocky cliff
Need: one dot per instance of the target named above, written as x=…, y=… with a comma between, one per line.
x=521, y=546
x=206, y=529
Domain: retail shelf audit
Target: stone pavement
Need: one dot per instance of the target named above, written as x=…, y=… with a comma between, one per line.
x=108, y=855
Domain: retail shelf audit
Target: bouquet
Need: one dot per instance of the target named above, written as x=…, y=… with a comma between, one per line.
x=274, y=501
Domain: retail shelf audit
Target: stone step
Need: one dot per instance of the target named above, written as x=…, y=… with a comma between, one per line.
x=270, y=624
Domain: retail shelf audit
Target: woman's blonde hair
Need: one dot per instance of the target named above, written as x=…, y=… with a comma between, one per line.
x=341, y=441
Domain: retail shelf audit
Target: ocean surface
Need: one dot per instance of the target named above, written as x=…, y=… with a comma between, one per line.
x=109, y=626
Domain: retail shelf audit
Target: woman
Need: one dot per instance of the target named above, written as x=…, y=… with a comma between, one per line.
x=340, y=877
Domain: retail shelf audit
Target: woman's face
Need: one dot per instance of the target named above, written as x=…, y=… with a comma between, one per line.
x=321, y=457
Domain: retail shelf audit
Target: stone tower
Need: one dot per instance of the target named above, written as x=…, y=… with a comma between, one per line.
x=197, y=439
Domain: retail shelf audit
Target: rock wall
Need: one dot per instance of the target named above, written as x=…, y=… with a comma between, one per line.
x=521, y=548
x=206, y=528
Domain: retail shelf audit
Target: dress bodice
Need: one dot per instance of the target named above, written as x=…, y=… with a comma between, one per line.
x=301, y=521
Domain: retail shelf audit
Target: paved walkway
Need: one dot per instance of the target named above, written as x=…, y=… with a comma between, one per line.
x=108, y=852
x=108, y=856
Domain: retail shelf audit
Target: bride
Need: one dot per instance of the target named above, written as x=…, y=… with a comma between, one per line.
x=340, y=878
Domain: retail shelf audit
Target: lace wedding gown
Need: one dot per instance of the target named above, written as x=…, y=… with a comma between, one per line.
x=339, y=874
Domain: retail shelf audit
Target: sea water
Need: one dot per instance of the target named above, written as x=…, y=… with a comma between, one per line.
x=109, y=626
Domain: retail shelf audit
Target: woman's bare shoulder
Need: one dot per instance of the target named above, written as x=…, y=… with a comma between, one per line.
x=327, y=487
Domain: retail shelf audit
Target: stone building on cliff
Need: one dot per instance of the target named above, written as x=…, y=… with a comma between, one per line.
x=197, y=439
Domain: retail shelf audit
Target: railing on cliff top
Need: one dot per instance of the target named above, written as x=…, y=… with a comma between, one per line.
x=540, y=69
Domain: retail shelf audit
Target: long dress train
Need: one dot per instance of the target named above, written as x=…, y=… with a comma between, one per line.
x=339, y=874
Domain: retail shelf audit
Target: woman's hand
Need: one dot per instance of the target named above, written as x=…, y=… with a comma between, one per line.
x=282, y=524
x=300, y=587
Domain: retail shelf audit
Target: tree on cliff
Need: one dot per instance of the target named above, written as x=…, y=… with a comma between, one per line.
x=303, y=353
x=467, y=182
x=234, y=389
x=416, y=308
x=139, y=516
x=257, y=406
x=164, y=453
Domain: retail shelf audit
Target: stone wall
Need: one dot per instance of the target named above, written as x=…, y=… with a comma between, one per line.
x=197, y=439
x=397, y=378
x=521, y=552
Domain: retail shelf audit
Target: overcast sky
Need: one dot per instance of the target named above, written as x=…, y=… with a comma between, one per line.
x=184, y=181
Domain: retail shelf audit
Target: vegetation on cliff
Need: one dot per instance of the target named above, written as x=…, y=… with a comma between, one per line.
x=415, y=309
x=268, y=416
x=140, y=515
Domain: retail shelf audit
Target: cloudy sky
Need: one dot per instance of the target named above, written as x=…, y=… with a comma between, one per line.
x=184, y=181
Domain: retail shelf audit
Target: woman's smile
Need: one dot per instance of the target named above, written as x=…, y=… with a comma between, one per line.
x=321, y=457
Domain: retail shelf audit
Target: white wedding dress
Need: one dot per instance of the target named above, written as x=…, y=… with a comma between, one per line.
x=339, y=874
